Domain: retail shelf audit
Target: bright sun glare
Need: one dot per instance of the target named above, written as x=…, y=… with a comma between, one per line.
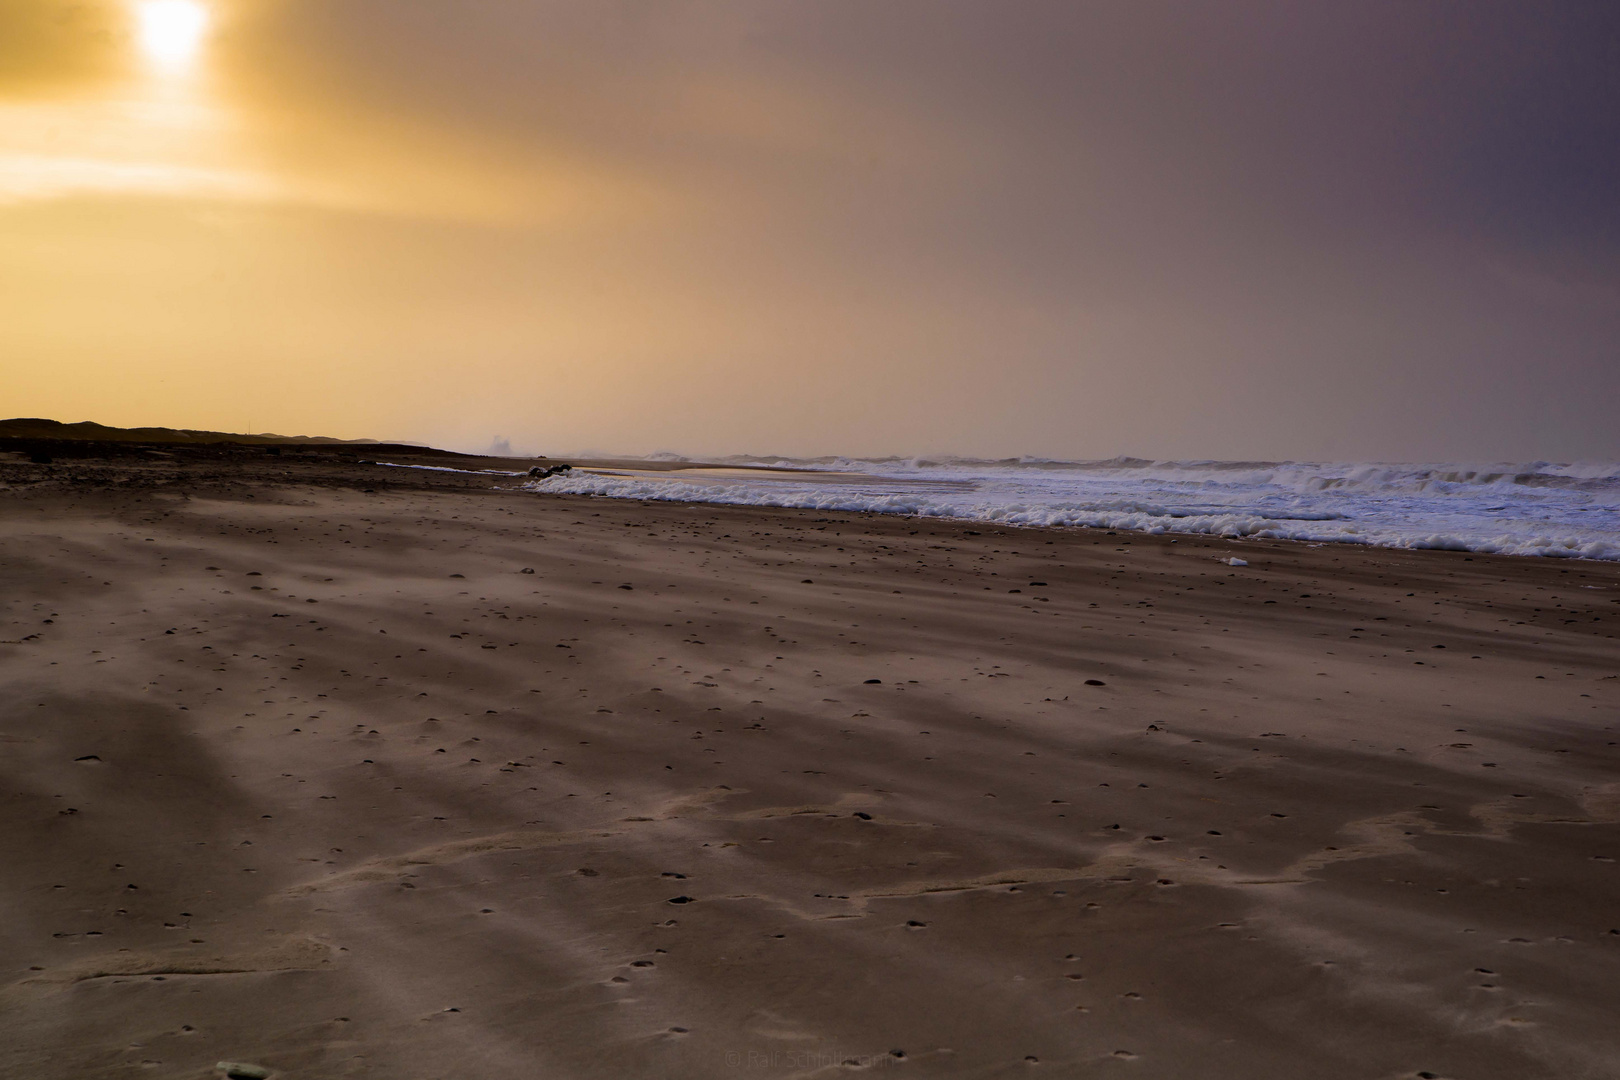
x=171, y=31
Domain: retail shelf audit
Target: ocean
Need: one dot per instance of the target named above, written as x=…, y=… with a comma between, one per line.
x=1535, y=508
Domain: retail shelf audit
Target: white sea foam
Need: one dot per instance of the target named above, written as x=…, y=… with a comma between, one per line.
x=1535, y=508
x=446, y=468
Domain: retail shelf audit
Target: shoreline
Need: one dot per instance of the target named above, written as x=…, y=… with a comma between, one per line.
x=1434, y=527
x=326, y=463
x=321, y=778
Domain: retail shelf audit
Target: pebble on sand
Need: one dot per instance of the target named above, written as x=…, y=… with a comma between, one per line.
x=241, y=1070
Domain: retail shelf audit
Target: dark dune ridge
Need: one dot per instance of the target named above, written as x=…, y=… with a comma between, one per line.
x=349, y=771
x=41, y=441
x=33, y=427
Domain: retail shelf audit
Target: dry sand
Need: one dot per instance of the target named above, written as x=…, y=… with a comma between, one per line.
x=323, y=779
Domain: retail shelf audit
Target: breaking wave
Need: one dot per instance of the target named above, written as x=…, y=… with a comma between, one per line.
x=1535, y=508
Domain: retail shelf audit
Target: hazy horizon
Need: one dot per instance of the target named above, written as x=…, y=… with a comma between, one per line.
x=501, y=446
x=1247, y=230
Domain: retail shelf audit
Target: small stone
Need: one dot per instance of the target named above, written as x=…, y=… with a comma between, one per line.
x=241, y=1070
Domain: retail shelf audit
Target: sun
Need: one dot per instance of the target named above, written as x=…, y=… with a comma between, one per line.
x=171, y=31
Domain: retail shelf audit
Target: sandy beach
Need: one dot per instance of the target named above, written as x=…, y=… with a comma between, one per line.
x=352, y=772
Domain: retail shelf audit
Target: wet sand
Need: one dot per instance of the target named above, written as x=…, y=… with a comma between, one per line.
x=302, y=766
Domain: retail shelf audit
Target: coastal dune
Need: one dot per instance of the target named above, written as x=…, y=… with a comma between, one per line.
x=428, y=776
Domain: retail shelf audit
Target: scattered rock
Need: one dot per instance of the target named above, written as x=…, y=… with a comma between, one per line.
x=241, y=1070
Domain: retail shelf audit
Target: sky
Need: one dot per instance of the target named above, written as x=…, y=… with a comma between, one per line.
x=1237, y=229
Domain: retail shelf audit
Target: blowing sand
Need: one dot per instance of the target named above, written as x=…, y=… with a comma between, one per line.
x=435, y=780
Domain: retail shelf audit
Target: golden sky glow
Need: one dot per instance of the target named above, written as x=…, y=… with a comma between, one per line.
x=716, y=225
x=152, y=130
x=171, y=33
